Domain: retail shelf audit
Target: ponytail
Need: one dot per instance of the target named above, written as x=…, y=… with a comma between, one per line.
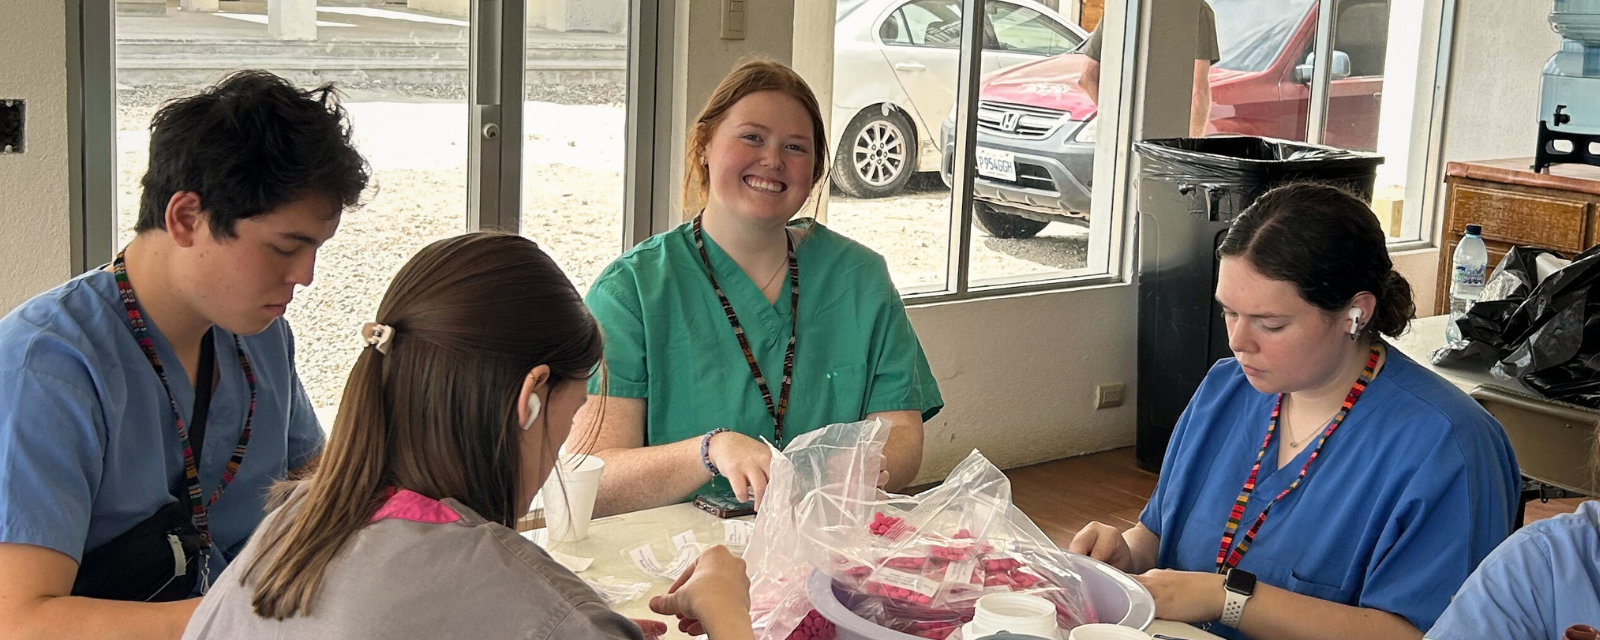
x=334, y=506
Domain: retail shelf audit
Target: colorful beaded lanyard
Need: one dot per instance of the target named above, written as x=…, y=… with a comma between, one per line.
x=1226, y=560
x=201, y=511
x=781, y=408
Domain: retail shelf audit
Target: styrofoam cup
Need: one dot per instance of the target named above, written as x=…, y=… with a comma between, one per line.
x=569, y=495
x=1014, y=612
x=1107, y=632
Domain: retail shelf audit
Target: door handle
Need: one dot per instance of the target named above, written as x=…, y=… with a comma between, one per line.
x=910, y=66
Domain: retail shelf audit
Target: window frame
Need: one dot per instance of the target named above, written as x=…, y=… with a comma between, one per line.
x=496, y=43
x=647, y=172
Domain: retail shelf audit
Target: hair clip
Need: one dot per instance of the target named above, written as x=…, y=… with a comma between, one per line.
x=378, y=335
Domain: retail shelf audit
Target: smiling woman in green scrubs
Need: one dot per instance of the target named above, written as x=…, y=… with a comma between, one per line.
x=742, y=324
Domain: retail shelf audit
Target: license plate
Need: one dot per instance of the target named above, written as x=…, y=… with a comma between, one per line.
x=1000, y=165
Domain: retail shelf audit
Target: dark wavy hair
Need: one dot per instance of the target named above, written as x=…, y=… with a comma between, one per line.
x=1329, y=245
x=248, y=145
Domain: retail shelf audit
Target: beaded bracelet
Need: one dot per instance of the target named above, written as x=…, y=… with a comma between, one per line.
x=705, y=451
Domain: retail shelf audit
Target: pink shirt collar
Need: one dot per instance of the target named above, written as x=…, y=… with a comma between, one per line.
x=408, y=505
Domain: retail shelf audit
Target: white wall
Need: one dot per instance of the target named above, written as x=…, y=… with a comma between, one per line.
x=1491, y=105
x=1492, y=108
x=34, y=194
x=1018, y=375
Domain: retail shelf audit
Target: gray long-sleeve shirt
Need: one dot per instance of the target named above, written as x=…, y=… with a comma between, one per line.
x=422, y=570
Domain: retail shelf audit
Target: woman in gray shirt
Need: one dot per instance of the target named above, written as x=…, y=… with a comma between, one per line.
x=450, y=422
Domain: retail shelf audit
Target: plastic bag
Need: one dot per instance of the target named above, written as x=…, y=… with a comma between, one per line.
x=842, y=459
x=1539, y=334
x=1232, y=171
x=913, y=564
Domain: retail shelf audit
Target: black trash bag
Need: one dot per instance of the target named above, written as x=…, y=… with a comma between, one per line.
x=1485, y=338
x=1230, y=172
x=1550, y=340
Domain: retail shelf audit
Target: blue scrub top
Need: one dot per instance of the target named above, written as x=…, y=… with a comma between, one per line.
x=88, y=443
x=1544, y=579
x=1411, y=492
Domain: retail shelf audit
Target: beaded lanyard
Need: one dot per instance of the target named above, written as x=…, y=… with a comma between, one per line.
x=1226, y=560
x=200, y=511
x=781, y=408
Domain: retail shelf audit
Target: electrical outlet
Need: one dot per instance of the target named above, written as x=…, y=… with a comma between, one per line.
x=11, y=120
x=1107, y=396
x=733, y=19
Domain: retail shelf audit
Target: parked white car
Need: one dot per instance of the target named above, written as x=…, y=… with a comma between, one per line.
x=895, y=73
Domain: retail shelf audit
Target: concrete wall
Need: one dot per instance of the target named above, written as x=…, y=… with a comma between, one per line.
x=34, y=192
x=1018, y=375
x=1492, y=105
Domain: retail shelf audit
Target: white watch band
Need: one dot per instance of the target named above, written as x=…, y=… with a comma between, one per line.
x=1233, y=608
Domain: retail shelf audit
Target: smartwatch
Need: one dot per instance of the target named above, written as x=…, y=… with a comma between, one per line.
x=1237, y=588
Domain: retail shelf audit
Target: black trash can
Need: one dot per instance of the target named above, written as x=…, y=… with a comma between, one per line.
x=1190, y=191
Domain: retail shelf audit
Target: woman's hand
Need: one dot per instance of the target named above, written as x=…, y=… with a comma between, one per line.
x=1185, y=596
x=744, y=461
x=715, y=585
x=1104, y=543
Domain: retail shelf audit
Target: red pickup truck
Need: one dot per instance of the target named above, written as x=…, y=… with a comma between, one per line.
x=1036, y=129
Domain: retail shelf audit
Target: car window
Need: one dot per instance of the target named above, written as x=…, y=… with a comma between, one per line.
x=1251, y=34
x=924, y=23
x=847, y=7
x=1363, y=35
x=1023, y=30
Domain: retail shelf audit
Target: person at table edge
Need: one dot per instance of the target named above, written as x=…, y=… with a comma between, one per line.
x=1320, y=484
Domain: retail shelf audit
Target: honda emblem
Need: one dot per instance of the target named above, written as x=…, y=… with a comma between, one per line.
x=1008, y=121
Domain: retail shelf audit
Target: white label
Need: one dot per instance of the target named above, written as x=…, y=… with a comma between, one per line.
x=644, y=558
x=905, y=580
x=573, y=563
x=736, y=533
x=685, y=540
x=1001, y=165
x=681, y=564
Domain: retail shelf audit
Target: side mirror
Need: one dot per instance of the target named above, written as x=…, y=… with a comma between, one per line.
x=1304, y=72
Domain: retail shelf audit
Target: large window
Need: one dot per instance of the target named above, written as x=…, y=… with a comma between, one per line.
x=1044, y=204
x=897, y=70
x=407, y=74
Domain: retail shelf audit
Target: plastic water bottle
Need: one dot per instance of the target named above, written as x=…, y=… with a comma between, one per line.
x=1469, y=269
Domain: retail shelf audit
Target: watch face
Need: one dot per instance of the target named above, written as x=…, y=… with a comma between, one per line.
x=1242, y=582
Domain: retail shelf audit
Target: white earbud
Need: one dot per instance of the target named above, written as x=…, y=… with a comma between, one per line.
x=1355, y=320
x=533, y=412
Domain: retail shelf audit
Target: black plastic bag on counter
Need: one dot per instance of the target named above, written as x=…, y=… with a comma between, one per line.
x=1540, y=333
x=1485, y=337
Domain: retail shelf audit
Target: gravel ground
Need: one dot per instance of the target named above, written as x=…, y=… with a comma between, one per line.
x=572, y=198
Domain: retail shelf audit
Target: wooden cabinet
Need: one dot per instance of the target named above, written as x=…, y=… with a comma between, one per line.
x=1558, y=210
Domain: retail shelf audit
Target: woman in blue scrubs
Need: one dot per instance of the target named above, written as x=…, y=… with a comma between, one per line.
x=1320, y=484
x=1544, y=582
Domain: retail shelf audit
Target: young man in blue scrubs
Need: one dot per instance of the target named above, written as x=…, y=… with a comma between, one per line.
x=145, y=408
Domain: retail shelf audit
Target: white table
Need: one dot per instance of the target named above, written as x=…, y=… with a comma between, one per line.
x=1426, y=336
x=610, y=538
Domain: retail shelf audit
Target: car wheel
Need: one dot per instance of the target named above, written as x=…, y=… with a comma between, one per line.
x=1005, y=225
x=878, y=154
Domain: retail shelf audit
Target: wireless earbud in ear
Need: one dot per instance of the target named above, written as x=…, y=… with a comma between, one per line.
x=533, y=412
x=1355, y=320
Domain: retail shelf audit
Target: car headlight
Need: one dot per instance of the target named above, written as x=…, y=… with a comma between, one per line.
x=1085, y=133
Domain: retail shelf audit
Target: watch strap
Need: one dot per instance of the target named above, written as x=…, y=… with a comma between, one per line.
x=1233, y=607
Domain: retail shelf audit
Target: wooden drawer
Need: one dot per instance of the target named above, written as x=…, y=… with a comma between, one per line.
x=1518, y=218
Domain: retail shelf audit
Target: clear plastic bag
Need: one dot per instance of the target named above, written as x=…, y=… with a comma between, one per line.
x=914, y=564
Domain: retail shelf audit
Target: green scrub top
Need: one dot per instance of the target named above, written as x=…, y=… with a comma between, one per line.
x=667, y=339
